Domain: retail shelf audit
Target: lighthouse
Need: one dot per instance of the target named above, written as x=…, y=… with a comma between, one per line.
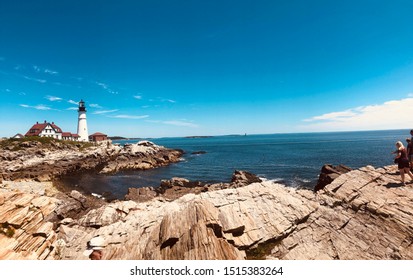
x=81, y=122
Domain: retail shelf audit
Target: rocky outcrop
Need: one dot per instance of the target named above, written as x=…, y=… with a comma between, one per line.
x=177, y=187
x=362, y=214
x=141, y=156
x=329, y=173
x=34, y=161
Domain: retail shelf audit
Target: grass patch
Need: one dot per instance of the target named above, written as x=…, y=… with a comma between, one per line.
x=17, y=144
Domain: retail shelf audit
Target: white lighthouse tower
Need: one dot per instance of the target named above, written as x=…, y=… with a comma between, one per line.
x=81, y=122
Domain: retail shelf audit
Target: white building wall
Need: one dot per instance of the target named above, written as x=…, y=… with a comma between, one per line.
x=48, y=131
x=82, y=127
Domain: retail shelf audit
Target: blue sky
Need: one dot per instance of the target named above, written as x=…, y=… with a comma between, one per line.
x=180, y=68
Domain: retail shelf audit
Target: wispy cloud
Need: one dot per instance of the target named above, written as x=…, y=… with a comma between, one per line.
x=180, y=123
x=175, y=123
x=51, y=72
x=73, y=102
x=53, y=98
x=95, y=106
x=388, y=115
x=44, y=70
x=37, y=107
x=337, y=116
x=170, y=101
x=130, y=117
x=72, y=108
x=137, y=97
x=106, y=87
x=104, y=112
x=34, y=79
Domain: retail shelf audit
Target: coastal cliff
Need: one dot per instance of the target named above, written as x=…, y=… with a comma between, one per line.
x=362, y=214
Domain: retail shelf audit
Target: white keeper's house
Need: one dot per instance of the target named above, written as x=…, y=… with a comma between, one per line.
x=47, y=129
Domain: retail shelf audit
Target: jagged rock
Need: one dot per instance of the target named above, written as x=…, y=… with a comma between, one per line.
x=141, y=194
x=198, y=153
x=243, y=178
x=328, y=174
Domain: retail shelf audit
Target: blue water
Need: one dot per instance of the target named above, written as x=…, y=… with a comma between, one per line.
x=292, y=159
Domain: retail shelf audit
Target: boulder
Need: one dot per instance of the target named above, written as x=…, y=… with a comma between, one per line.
x=243, y=178
x=328, y=174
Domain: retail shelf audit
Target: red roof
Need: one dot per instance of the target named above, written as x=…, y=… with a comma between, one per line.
x=69, y=134
x=37, y=128
x=98, y=134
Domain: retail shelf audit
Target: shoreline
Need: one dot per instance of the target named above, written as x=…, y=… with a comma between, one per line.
x=234, y=222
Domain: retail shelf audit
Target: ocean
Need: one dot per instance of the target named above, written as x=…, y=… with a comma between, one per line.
x=292, y=159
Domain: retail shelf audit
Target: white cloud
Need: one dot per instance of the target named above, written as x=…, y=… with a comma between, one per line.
x=102, y=85
x=180, y=123
x=171, y=101
x=37, y=107
x=34, y=79
x=137, y=96
x=333, y=116
x=392, y=114
x=106, y=87
x=53, y=98
x=51, y=72
x=175, y=123
x=104, y=112
x=72, y=108
x=73, y=102
x=44, y=70
x=95, y=106
x=131, y=117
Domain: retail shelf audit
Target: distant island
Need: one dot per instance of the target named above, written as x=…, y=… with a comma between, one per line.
x=123, y=138
x=198, y=136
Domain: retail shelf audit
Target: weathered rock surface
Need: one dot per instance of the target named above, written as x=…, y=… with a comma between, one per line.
x=363, y=214
x=35, y=162
x=25, y=231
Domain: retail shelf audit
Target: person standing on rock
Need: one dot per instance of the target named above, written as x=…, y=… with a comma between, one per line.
x=403, y=162
x=410, y=152
x=94, y=248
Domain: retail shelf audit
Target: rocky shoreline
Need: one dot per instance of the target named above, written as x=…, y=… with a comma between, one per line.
x=32, y=160
x=351, y=214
